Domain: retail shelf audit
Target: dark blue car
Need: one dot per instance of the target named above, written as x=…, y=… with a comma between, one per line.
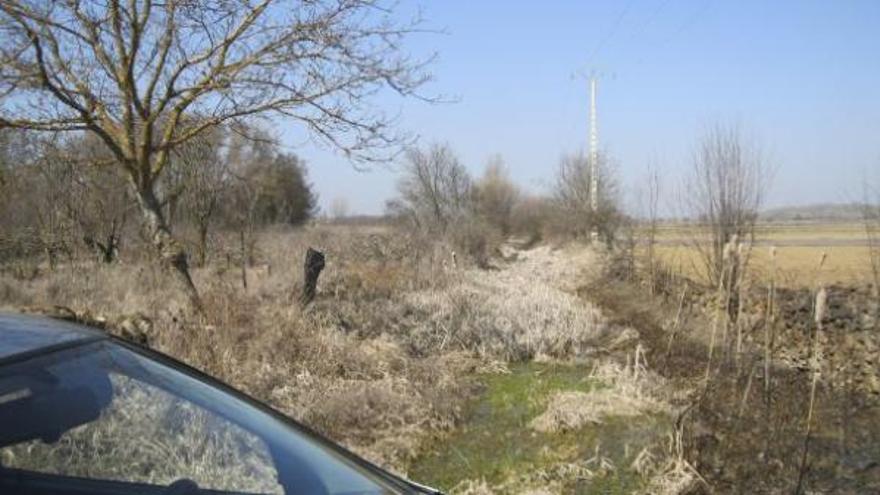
x=82, y=412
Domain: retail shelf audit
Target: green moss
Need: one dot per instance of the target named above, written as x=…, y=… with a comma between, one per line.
x=495, y=443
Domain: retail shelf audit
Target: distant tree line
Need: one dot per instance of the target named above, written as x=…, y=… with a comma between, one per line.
x=61, y=193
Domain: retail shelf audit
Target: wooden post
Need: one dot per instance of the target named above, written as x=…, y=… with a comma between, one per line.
x=312, y=270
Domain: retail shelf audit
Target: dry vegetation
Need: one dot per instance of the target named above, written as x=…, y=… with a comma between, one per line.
x=464, y=338
x=388, y=358
x=770, y=329
x=778, y=350
x=468, y=315
x=418, y=323
x=409, y=311
x=627, y=391
x=313, y=364
x=383, y=358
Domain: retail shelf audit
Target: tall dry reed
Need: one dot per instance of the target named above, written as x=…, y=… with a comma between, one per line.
x=722, y=299
x=820, y=305
x=769, y=321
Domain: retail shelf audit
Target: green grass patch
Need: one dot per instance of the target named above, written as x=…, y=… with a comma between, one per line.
x=495, y=442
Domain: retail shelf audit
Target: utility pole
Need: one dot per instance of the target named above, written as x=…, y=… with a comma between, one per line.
x=594, y=162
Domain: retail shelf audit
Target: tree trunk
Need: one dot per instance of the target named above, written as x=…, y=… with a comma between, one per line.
x=170, y=252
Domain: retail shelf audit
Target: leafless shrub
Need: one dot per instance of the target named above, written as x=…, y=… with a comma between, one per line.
x=34, y=220
x=59, y=198
x=477, y=239
x=496, y=196
x=532, y=217
x=98, y=199
x=197, y=180
x=53, y=205
x=264, y=186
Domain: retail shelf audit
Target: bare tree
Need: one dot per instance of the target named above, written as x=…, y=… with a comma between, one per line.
x=39, y=188
x=572, y=194
x=147, y=76
x=246, y=158
x=435, y=189
x=649, y=198
x=204, y=176
x=724, y=193
x=242, y=199
x=98, y=200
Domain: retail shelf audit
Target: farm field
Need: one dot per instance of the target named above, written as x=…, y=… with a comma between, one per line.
x=799, y=248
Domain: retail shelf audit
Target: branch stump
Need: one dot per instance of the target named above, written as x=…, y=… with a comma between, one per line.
x=312, y=270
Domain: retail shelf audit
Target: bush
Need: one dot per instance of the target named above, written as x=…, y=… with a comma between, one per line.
x=531, y=218
x=496, y=196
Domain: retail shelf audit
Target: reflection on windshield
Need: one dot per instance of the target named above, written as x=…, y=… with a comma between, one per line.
x=136, y=421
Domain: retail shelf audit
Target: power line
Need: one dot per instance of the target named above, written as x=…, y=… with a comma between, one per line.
x=638, y=31
x=690, y=21
x=610, y=32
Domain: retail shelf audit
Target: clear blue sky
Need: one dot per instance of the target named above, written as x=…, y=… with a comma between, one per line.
x=803, y=77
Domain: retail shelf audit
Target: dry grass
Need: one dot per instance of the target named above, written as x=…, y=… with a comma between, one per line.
x=334, y=366
x=629, y=391
x=380, y=361
x=518, y=313
x=384, y=358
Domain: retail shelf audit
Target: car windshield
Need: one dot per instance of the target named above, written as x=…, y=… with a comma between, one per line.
x=101, y=418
